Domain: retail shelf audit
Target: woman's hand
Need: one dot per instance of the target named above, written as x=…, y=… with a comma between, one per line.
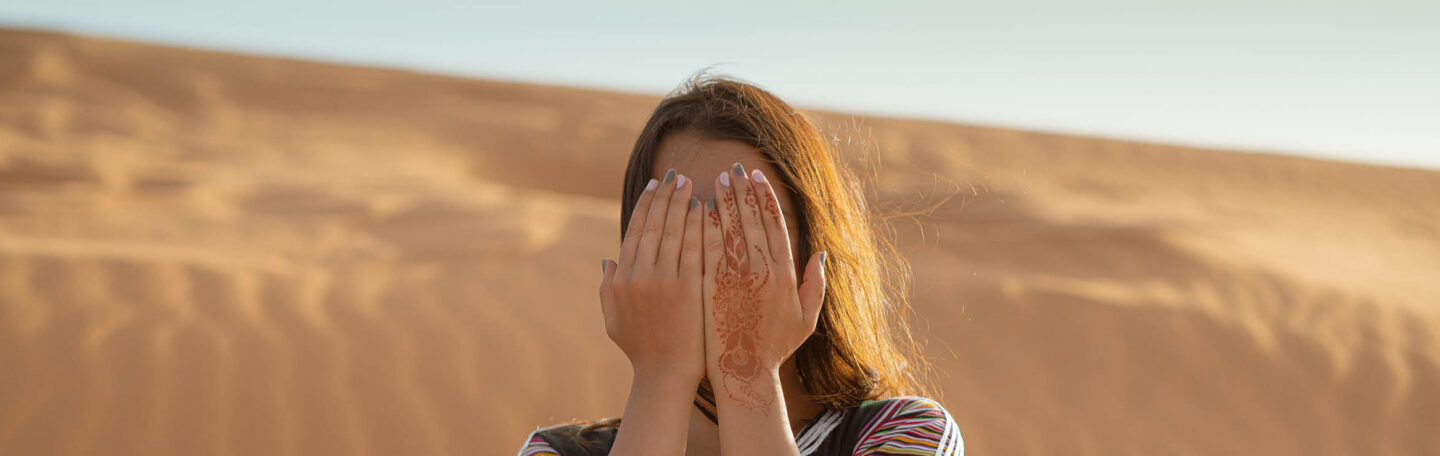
x=651, y=299
x=756, y=315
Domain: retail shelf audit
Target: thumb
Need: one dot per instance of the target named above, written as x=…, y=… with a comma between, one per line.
x=607, y=292
x=812, y=288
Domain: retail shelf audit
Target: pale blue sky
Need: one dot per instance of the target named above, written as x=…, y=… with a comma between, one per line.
x=1356, y=80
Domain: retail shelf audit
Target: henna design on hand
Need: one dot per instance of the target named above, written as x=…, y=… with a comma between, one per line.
x=773, y=208
x=736, y=310
x=752, y=203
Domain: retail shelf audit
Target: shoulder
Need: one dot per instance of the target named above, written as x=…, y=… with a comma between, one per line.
x=568, y=439
x=909, y=425
x=536, y=445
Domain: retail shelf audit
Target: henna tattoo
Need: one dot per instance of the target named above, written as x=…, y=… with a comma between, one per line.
x=773, y=208
x=736, y=310
x=752, y=203
x=715, y=219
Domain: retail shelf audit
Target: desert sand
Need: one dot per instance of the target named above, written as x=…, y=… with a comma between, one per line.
x=212, y=253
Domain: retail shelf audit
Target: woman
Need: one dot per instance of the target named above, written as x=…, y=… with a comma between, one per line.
x=709, y=303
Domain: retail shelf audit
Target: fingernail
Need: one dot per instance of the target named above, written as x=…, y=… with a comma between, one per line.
x=694, y=202
x=738, y=170
x=824, y=256
x=602, y=266
x=725, y=179
x=710, y=203
x=652, y=184
x=757, y=176
x=680, y=181
x=669, y=176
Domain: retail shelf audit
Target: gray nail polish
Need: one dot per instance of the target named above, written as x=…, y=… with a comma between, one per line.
x=669, y=176
x=694, y=202
x=824, y=256
x=738, y=170
x=710, y=204
x=602, y=266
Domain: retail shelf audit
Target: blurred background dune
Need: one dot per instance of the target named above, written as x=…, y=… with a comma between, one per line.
x=213, y=253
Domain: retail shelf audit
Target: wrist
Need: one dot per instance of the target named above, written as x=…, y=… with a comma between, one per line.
x=664, y=381
x=762, y=373
x=656, y=413
x=668, y=372
x=758, y=391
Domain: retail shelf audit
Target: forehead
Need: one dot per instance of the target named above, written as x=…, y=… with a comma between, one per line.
x=703, y=159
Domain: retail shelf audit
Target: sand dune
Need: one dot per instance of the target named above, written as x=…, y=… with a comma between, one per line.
x=209, y=253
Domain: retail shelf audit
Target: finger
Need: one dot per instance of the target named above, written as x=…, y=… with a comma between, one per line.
x=812, y=288
x=655, y=223
x=730, y=256
x=636, y=226
x=713, y=249
x=691, y=247
x=756, y=243
x=668, y=259
x=774, y=221
x=607, y=292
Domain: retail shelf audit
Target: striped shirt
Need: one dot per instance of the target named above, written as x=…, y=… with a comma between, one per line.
x=905, y=425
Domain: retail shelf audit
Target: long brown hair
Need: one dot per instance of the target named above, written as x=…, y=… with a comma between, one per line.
x=862, y=348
